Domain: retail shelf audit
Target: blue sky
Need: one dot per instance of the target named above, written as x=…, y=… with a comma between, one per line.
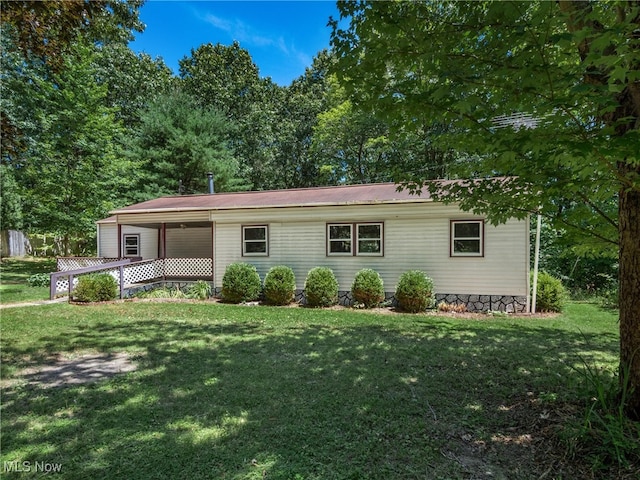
x=281, y=36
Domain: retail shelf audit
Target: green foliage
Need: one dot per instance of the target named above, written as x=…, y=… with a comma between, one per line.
x=279, y=285
x=321, y=287
x=368, y=288
x=200, y=290
x=39, y=280
x=610, y=298
x=605, y=435
x=69, y=170
x=179, y=142
x=10, y=201
x=551, y=295
x=98, y=287
x=164, y=292
x=414, y=292
x=241, y=283
x=133, y=80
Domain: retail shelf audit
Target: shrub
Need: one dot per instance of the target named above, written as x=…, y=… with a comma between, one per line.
x=241, y=283
x=551, y=295
x=279, y=285
x=200, y=290
x=321, y=287
x=368, y=288
x=610, y=298
x=39, y=280
x=415, y=291
x=99, y=287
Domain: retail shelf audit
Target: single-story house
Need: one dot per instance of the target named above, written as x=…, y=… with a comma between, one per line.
x=346, y=228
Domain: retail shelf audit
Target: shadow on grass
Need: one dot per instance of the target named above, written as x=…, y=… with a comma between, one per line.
x=429, y=398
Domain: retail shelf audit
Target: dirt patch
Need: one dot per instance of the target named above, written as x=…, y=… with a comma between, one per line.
x=79, y=370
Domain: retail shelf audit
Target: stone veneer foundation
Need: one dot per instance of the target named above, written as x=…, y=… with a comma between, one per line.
x=474, y=303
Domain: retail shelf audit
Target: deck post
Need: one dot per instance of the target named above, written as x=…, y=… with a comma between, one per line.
x=70, y=286
x=121, y=269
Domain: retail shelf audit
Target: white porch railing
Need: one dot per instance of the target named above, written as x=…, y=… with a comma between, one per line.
x=64, y=264
x=128, y=273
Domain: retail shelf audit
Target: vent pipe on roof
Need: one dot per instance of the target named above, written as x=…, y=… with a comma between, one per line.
x=210, y=176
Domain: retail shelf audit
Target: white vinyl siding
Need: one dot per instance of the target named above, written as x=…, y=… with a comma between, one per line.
x=108, y=240
x=416, y=236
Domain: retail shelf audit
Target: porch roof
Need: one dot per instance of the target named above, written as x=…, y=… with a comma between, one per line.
x=318, y=196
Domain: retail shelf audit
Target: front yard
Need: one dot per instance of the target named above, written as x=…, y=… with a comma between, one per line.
x=243, y=392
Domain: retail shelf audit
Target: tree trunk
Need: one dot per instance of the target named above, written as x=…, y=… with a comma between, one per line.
x=629, y=224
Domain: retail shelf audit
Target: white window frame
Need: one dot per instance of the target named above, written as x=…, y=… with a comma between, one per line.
x=380, y=239
x=330, y=240
x=479, y=238
x=245, y=253
x=125, y=247
x=354, y=238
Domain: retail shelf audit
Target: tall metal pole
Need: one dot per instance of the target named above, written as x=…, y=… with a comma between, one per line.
x=535, y=266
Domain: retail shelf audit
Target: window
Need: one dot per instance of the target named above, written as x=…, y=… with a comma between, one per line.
x=467, y=238
x=369, y=239
x=131, y=245
x=340, y=239
x=255, y=241
x=348, y=239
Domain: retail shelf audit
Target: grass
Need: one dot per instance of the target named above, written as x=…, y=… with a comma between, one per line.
x=238, y=392
x=14, y=273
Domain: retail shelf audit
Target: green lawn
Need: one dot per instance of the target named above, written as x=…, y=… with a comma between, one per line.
x=14, y=273
x=235, y=392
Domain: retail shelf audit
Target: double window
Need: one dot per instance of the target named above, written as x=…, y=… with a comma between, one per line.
x=348, y=239
x=255, y=241
x=131, y=245
x=467, y=238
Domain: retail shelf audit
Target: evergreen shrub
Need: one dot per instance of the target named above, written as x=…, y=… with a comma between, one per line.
x=551, y=295
x=368, y=288
x=414, y=292
x=100, y=287
x=279, y=285
x=321, y=287
x=241, y=283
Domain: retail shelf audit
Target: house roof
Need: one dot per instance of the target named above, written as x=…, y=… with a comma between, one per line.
x=298, y=197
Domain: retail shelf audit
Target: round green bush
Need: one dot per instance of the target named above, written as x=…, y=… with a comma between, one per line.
x=368, y=288
x=321, y=287
x=240, y=283
x=414, y=292
x=100, y=287
x=551, y=295
x=279, y=285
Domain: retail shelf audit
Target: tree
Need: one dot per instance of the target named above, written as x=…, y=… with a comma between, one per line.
x=48, y=29
x=353, y=143
x=177, y=143
x=71, y=173
x=10, y=201
x=296, y=115
x=43, y=33
x=133, y=80
x=226, y=79
x=547, y=93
